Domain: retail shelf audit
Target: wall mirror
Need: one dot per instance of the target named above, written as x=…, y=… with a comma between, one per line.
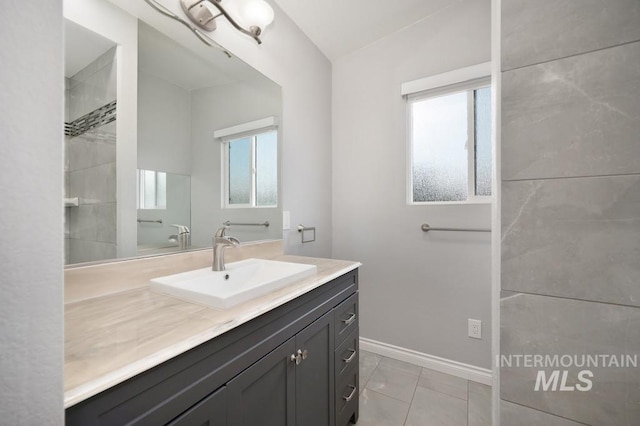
x=142, y=166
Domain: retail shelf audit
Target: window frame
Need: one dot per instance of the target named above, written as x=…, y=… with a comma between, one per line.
x=141, y=186
x=411, y=96
x=225, y=181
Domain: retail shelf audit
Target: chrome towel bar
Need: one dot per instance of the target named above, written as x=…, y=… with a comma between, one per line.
x=229, y=223
x=149, y=221
x=426, y=228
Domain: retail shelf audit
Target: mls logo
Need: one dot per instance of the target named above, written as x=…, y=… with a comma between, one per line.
x=555, y=383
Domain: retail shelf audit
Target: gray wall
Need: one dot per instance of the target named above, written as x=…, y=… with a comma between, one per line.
x=31, y=188
x=570, y=204
x=164, y=126
x=417, y=290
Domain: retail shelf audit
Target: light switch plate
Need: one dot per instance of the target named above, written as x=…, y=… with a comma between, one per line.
x=286, y=220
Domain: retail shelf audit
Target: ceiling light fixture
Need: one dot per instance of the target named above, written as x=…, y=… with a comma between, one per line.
x=252, y=14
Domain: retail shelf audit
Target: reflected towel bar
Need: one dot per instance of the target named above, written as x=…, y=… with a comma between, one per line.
x=426, y=228
x=229, y=223
x=149, y=221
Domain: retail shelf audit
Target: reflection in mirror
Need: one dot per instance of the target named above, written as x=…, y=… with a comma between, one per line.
x=184, y=95
x=90, y=146
x=164, y=203
x=251, y=176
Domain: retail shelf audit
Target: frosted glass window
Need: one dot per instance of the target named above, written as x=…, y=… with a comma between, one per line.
x=440, y=148
x=152, y=189
x=450, y=137
x=483, y=141
x=240, y=171
x=266, y=169
x=252, y=170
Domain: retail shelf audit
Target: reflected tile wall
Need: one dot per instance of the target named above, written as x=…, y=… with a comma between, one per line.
x=93, y=86
x=81, y=251
x=90, y=162
x=94, y=148
x=94, y=185
x=535, y=31
x=570, y=204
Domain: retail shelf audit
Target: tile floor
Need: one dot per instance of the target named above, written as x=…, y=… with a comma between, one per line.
x=396, y=393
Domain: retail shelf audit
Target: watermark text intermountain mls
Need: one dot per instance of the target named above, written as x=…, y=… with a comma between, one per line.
x=558, y=379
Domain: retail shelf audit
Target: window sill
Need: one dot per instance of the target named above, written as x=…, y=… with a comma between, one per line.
x=452, y=203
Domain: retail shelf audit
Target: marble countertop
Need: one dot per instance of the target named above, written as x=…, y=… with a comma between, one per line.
x=112, y=338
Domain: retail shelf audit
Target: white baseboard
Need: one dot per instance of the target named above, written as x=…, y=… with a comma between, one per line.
x=443, y=365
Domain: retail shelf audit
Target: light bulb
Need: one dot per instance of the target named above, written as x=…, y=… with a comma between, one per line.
x=255, y=14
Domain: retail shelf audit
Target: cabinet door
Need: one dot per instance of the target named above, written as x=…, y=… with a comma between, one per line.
x=264, y=394
x=315, y=374
x=211, y=411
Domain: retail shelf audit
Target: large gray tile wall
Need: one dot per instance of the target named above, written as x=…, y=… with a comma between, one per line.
x=90, y=166
x=570, y=205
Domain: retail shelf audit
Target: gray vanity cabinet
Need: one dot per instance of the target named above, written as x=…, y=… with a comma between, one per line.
x=293, y=385
x=264, y=394
x=296, y=365
x=315, y=373
x=211, y=411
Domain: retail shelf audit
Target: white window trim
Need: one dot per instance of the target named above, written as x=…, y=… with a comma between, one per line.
x=441, y=81
x=236, y=132
x=464, y=79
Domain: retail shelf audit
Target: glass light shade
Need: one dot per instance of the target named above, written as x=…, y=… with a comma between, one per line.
x=255, y=13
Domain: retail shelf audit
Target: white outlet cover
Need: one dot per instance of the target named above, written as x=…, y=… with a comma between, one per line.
x=475, y=328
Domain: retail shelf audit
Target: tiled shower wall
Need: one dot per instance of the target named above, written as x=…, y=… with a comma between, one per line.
x=571, y=205
x=90, y=166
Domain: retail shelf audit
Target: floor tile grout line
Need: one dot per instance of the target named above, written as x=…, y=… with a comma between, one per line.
x=415, y=388
x=468, y=397
x=387, y=396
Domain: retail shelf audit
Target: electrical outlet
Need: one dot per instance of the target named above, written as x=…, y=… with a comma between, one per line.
x=475, y=328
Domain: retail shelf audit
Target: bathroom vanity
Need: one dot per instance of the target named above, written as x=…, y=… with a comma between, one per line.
x=287, y=358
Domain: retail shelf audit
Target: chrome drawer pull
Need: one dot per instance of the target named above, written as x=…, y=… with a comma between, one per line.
x=350, y=397
x=297, y=357
x=350, y=320
x=351, y=357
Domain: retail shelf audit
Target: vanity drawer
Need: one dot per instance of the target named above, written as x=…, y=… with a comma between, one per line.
x=347, y=396
x=347, y=354
x=346, y=318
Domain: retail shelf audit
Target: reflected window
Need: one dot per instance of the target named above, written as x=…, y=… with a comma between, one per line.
x=251, y=173
x=152, y=190
x=450, y=142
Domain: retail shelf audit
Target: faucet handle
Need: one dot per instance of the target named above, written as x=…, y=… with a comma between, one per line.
x=182, y=229
x=220, y=231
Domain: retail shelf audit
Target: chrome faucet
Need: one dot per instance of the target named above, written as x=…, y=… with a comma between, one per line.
x=183, y=238
x=221, y=242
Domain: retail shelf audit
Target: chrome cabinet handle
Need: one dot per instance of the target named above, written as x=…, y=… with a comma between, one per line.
x=297, y=358
x=350, y=397
x=351, y=357
x=350, y=320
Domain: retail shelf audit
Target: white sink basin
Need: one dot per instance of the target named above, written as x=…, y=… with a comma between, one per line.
x=241, y=281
